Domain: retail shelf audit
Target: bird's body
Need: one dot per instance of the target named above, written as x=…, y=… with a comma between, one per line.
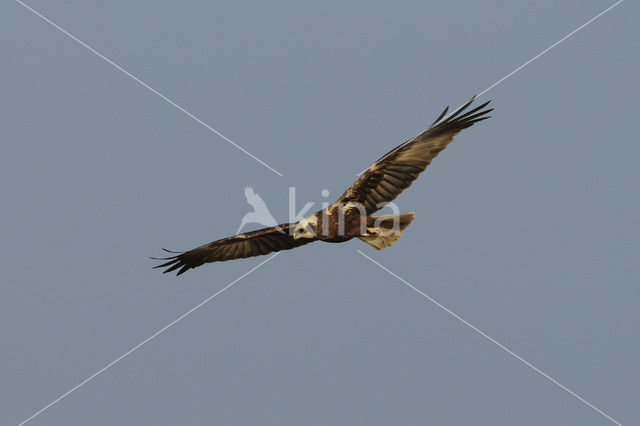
x=336, y=223
x=351, y=216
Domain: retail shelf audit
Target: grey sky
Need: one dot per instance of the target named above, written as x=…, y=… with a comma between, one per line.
x=526, y=226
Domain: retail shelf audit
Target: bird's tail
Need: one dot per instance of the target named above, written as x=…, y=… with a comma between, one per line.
x=387, y=230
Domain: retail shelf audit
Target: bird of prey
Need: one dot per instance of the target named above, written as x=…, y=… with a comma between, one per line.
x=351, y=215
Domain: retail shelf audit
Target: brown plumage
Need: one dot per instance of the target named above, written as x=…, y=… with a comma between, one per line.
x=378, y=185
x=396, y=170
x=249, y=244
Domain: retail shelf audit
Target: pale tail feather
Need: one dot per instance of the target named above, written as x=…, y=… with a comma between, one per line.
x=390, y=228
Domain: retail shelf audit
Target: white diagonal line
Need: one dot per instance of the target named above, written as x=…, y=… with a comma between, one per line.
x=128, y=74
x=494, y=341
x=550, y=47
x=172, y=323
x=262, y=263
x=533, y=59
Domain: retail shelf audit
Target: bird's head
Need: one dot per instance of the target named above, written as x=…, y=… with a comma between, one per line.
x=304, y=228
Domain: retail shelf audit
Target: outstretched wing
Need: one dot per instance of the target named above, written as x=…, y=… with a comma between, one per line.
x=249, y=244
x=398, y=168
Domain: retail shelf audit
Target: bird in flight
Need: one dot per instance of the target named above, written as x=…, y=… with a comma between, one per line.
x=351, y=215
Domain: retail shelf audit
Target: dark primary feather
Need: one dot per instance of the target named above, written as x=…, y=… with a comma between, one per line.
x=380, y=184
x=396, y=170
x=249, y=244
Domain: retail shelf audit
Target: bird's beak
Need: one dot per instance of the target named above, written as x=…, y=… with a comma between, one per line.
x=300, y=233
